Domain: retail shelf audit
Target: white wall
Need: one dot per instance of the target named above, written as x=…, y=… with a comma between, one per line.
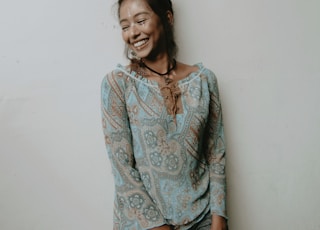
x=54, y=172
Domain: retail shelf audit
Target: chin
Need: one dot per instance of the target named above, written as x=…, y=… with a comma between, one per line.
x=142, y=54
x=145, y=52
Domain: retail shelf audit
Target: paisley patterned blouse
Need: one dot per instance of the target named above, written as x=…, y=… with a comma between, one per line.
x=166, y=145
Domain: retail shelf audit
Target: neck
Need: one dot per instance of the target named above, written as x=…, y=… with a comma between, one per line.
x=160, y=64
x=170, y=68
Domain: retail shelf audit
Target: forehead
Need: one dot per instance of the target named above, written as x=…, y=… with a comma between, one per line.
x=130, y=8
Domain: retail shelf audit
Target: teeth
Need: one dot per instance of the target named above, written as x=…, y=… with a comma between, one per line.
x=140, y=43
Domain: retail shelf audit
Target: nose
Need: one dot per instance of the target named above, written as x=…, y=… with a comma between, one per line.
x=134, y=31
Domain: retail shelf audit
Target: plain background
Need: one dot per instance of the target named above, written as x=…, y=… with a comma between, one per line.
x=54, y=170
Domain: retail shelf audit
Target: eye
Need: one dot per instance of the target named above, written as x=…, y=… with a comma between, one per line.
x=141, y=21
x=124, y=28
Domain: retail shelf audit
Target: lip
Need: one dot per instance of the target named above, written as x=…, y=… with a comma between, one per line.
x=138, y=46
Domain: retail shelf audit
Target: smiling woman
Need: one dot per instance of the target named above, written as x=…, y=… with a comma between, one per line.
x=141, y=29
x=163, y=129
x=163, y=11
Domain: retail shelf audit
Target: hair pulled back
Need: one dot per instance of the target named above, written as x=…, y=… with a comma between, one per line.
x=161, y=8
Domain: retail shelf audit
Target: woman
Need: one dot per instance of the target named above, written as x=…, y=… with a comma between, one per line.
x=163, y=129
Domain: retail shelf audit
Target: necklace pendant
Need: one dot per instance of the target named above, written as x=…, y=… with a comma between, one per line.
x=167, y=80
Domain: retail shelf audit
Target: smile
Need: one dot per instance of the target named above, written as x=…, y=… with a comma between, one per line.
x=139, y=44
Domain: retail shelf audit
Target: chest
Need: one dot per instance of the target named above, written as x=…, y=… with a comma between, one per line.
x=175, y=107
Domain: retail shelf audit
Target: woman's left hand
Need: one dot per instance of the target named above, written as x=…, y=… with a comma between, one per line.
x=218, y=223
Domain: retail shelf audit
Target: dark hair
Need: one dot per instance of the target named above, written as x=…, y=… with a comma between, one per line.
x=159, y=7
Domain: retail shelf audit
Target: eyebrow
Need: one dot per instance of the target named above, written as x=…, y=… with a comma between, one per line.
x=136, y=15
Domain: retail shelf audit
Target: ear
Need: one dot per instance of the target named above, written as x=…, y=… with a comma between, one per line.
x=170, y=17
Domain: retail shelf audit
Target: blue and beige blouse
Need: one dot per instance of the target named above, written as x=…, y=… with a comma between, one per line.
x=166, y=147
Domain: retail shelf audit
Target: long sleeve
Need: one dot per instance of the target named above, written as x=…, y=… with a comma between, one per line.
x=134, y=208
x=216, y=151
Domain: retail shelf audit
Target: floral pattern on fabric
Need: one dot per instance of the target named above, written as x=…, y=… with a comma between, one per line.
x=168, y=166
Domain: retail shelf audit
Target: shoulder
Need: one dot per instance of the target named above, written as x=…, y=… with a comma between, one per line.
x=209, y=76
x=117, y=73
x=116, y=78
x=186, y=69
x=183, y=70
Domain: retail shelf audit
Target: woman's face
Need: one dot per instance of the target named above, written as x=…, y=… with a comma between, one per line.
x=141, y=29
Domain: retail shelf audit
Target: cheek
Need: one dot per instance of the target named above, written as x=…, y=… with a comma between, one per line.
x=125, y=37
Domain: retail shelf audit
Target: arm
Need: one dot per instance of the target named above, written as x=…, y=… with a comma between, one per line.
x=132, y=202
x=216, y=157
x=218, y=223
